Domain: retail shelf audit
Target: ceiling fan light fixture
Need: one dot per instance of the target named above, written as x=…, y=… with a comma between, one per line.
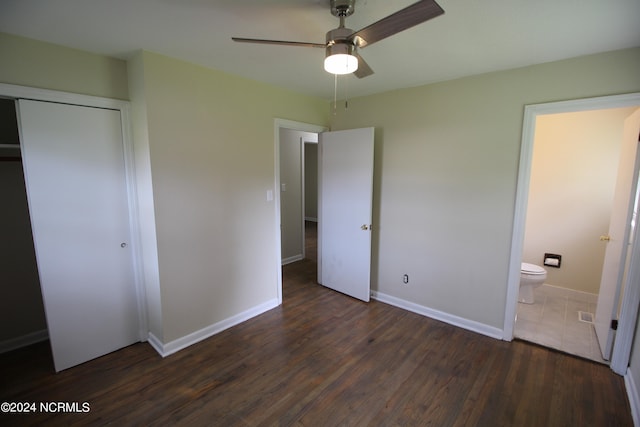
x=341, y=43
x=340, y=59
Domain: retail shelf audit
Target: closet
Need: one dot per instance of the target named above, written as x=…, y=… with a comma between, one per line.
x=79, y=203
x=22, y=319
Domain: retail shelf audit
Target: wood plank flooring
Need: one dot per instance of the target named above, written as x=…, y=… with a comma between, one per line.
x=324, y=359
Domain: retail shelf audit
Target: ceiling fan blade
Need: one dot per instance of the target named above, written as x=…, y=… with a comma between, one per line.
x=363, y=68
x=277, y=42
x=406, y=18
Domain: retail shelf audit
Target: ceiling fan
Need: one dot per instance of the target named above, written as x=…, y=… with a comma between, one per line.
x=342, y=44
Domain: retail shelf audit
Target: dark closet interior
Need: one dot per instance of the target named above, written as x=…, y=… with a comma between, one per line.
x=22, y=318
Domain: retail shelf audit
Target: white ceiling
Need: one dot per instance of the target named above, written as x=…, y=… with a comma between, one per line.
x=472, y=37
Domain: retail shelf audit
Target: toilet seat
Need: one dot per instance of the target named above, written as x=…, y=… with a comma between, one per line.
x=532, y=269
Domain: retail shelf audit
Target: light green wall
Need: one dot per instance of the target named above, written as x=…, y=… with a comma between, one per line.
x=211, y=139
x=33, y=63
x=446, y=170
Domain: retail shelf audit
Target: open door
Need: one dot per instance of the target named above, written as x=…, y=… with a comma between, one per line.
x=346, y=193
x=617, y=241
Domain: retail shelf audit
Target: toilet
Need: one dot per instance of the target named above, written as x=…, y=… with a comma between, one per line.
x=531, y=276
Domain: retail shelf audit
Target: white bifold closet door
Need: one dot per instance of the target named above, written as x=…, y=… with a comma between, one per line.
x=73, y=159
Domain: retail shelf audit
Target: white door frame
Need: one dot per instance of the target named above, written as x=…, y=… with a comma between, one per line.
x=24, y=92
x=287, y=124
x=626, y=324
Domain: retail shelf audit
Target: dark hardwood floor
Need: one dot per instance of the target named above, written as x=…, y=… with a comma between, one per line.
x=324, y=359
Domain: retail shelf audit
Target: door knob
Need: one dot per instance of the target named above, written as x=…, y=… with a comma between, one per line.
x=123, y=245
x=364, y=227
x=605, y=238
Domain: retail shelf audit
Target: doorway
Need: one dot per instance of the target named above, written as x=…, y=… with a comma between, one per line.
x=345, y=185
x=532, y=112
x=290, y=165
x=298, y=207
x=298, y=190
x=579, y=158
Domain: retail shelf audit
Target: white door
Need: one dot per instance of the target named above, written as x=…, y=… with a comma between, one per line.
x=617, y=241
x=74, y=172
x=345, y=204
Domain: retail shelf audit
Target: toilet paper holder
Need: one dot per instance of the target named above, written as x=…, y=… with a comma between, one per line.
x=552, y=260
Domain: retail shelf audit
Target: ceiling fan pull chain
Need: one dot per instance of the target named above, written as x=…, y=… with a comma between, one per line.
x=346, y=94
x=335, y=93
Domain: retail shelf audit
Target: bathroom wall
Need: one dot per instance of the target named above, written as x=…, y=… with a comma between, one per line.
x=573, y=176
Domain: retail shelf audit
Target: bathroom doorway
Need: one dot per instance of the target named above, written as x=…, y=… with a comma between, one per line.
x=556, y=180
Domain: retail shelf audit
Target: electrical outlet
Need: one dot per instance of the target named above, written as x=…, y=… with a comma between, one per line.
x=405, y=279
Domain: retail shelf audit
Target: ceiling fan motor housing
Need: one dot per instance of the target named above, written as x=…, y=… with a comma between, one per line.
x=339, y=35
x=338, y=42
x=344, y=48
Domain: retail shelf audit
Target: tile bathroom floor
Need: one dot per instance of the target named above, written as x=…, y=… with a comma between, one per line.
x=553, y=321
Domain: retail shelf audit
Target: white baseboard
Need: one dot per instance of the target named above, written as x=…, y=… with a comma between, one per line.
x=176, y=345
x=460, y=322
x=156, y=344
x=291, y=259
x=23, y=341
x=633, y=396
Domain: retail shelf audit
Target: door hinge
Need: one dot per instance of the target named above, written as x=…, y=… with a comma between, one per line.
x=614, y=324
